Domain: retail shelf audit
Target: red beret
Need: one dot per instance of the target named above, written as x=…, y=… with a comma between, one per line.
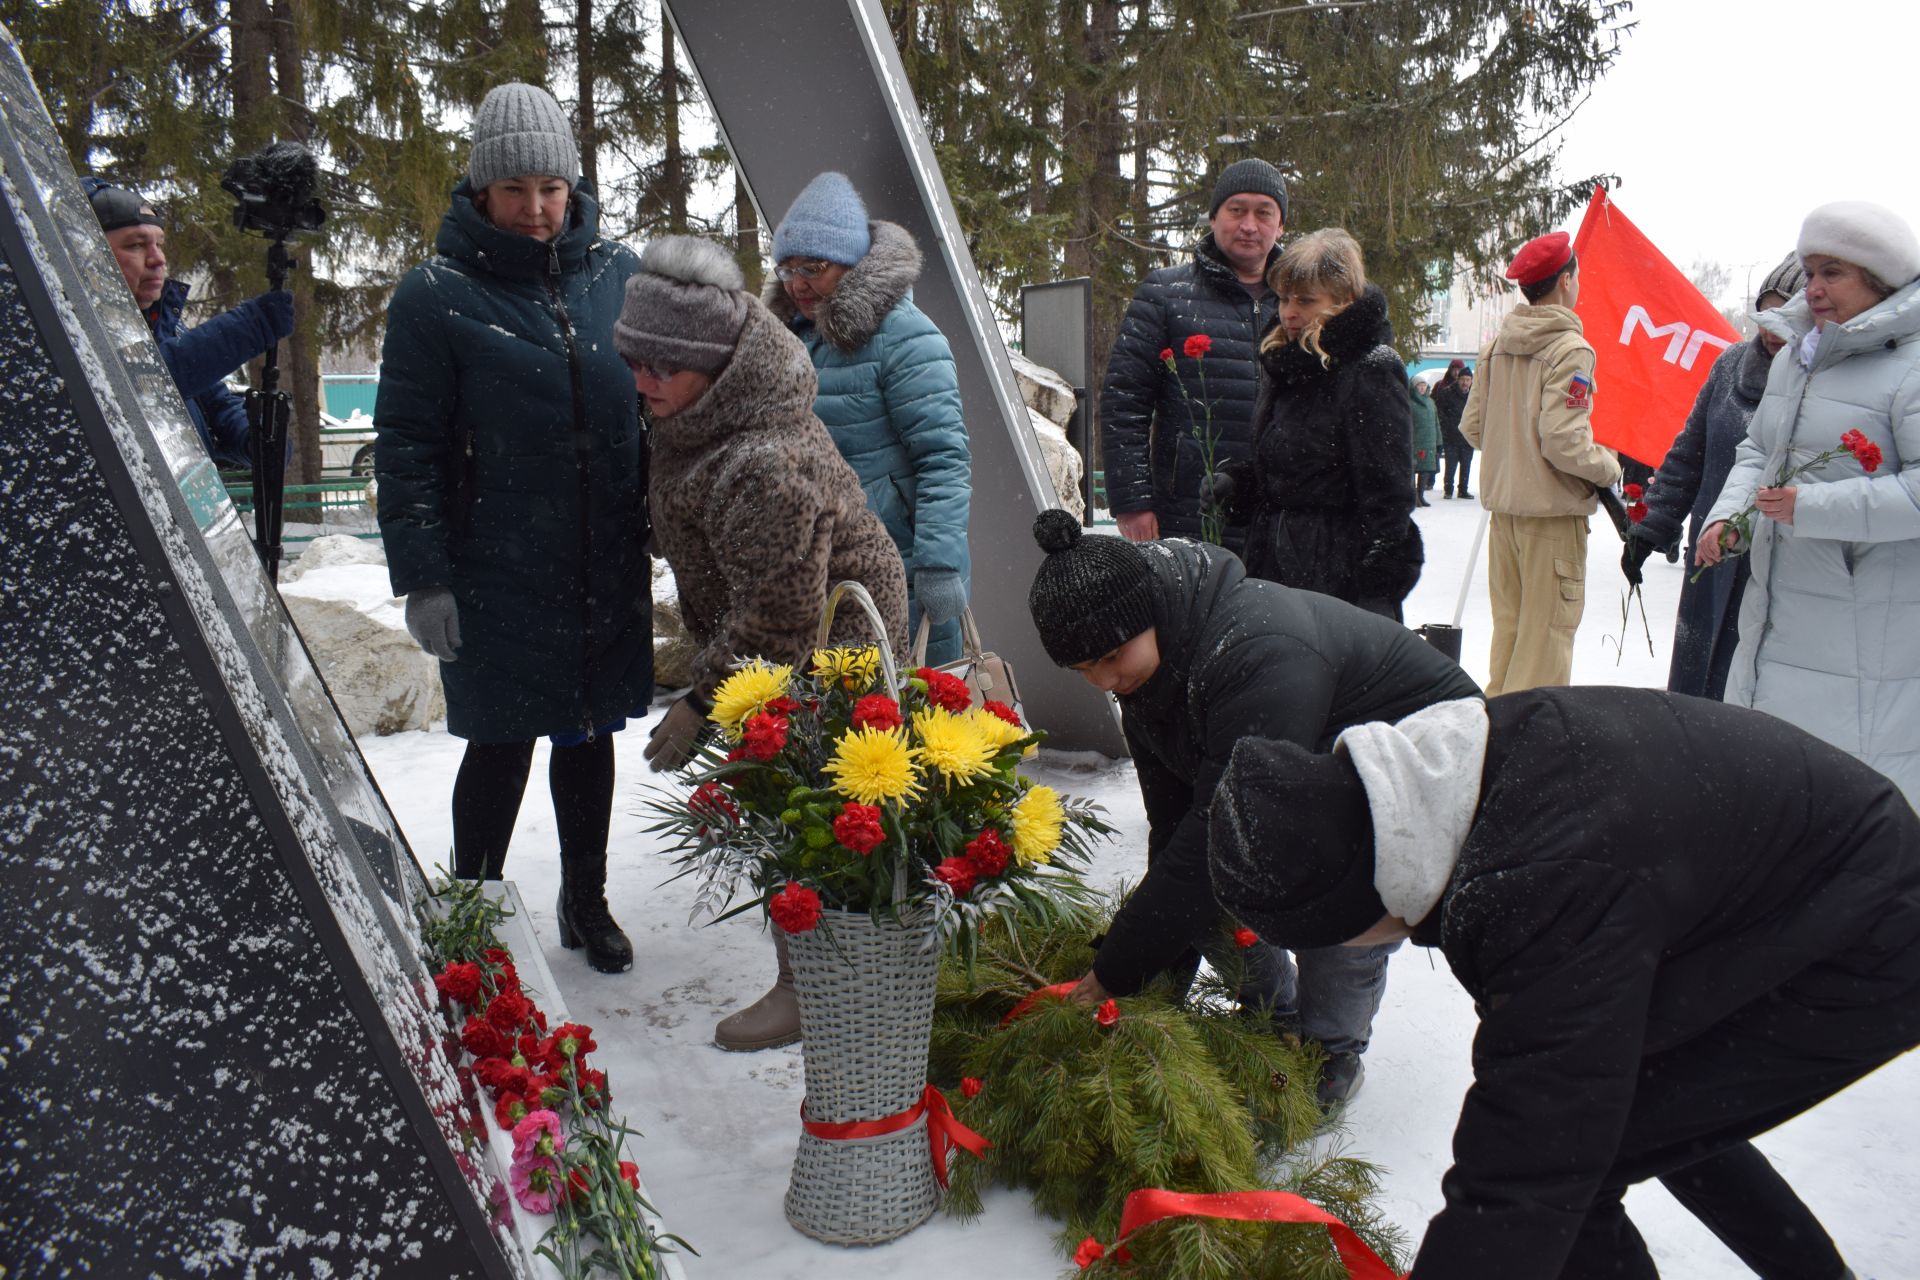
x=1541, y=258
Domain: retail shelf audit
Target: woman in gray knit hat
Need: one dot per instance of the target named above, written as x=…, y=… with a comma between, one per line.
x=753, y=506
x=512, y=498
x=1707, y=626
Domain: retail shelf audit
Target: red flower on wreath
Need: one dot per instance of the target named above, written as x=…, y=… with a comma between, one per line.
x=957, y=874
x=1864, y=451
x=795, y=908
x=1089, y=1252
x=764, y=736
x=949, y=693
x=1004, y=711
x=1108, y=1014
x=1244, y=937
x=782, y=705
x=877, y=711
x=970, y=1086
x=1196, y=346
x=459, y=983
x=858, y=827
x=988, y=853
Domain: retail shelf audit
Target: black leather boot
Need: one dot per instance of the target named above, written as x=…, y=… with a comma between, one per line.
x=584, y=918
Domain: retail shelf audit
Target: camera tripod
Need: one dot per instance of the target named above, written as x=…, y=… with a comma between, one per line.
x=269, y=412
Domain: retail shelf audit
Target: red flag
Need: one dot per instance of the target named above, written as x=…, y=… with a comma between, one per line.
x=1654, y=335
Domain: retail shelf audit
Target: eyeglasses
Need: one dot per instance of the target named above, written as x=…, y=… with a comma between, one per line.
x=654, y=372
x=810, y=270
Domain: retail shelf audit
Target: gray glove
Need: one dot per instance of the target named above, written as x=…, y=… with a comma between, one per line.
x=433, y=622
x=1216, y=488
x=672, y=741
x=941, y=593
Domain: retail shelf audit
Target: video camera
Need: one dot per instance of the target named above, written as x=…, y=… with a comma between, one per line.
x=275, y=189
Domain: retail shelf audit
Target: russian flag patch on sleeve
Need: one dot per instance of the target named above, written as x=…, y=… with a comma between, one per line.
x=1580, y=392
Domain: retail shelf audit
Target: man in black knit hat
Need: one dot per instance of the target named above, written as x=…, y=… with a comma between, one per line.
x=1201, y=656
x=1650, y=999
x=1159, y=441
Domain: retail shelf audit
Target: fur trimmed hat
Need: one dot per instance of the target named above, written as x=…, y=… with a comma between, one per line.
x=826, y=220
x=520, y=130
x=1290, y=845
x=684, y=307
x=1868, y=235
x=1091, y=595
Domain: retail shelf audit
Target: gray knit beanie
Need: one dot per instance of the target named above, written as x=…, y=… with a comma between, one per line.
x=520, y=130
x=1250, y=177
x=1786, y=280
x=684, y=307
x=1092, y=595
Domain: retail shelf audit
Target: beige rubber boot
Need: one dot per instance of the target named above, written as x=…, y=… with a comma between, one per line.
x=769, y=1022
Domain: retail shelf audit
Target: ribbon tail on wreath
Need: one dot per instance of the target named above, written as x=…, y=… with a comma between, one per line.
x=1151, y=1204
x=944, y=1131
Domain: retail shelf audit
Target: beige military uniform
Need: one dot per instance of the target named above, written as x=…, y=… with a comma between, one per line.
x=1530, y=415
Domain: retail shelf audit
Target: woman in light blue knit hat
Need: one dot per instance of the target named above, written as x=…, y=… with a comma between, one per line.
x=512, y=479
x=889, y=392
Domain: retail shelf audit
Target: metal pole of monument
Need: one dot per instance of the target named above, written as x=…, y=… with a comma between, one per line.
x=269, y=411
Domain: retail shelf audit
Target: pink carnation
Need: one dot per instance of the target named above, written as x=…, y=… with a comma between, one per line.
x=529, y=1133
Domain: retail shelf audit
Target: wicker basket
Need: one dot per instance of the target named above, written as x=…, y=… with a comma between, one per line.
x=866, y=1010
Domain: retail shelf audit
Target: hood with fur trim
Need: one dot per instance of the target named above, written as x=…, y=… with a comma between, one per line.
x=871, y=288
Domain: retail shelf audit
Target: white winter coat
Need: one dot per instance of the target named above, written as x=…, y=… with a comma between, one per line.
x=1830, y=624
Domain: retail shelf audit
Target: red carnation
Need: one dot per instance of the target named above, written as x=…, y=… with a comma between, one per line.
x=1244, y=937
x=988, y=853
x=501, y=1076
x=795, y=908
x=510, y=1109
x=593, y=1087
x=1166, y=355
x=764, y=736
x=459, y=983
x=508, y=1011
x=1004, y=711
x=858, y=827
x=877, y=711
x=1197, y=346
x=970, y=1086
x=1637, y=512
x=782, y=705
x=949, y=693
x=957, y=874
x=709, y=800
x=1089, y=1252
x=630, y=1174
x=1108, y=1014
x=1864, y=451
x=482, y=1040
x=1633, y=492
x=548, y=1090
x=572, y=1040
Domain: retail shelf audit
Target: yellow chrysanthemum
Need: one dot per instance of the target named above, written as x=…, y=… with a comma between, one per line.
x=995, y=730
x=854, y=668
x=872, y=765
x=746, y=693
x=953, y=745
x=1036, y=823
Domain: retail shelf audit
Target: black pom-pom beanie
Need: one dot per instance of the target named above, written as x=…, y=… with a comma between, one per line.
x=1092, y=594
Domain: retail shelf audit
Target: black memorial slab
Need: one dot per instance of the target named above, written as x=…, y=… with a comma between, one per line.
x=218, y=1048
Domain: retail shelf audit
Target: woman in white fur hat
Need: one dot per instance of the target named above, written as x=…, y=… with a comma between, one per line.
x=1830, y=619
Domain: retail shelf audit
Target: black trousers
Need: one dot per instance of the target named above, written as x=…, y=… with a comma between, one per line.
x=1698, y=1104
x=1450, y=459
x=491, y=782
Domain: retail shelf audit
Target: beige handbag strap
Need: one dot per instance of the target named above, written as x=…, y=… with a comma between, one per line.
x=970, y=647
x=858, y=594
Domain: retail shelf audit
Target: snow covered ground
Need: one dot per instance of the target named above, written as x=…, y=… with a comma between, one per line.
x=720, y=1128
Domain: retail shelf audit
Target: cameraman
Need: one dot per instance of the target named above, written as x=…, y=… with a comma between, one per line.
x=199, y=359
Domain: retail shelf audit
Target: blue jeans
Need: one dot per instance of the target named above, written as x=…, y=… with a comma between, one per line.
x=1333, y=991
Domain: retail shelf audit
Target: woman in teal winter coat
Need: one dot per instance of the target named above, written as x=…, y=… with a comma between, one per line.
x=889, y=393
x=512, y=483
x=1426, y=440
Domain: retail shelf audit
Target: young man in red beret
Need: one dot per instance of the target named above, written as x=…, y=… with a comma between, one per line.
x=1530, y=415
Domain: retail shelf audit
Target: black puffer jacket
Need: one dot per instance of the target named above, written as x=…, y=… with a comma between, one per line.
x=1450, y=401
x=1332, y=495
x=1240, y=657
x=1153, y=460
x=1762, y=868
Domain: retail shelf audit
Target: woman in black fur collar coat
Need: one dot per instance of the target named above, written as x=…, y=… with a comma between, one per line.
x=1329, y=494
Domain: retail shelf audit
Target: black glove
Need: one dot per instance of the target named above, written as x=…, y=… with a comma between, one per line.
x=1634, y=554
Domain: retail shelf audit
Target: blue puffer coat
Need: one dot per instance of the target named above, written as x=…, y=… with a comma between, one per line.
x=890, y=397
x=200, y=360
x=512, y=469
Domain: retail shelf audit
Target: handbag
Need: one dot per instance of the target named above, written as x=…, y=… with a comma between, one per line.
x=988, y=676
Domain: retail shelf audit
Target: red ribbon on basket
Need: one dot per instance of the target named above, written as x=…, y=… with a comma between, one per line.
x=944, y=1130
x=1061, y=989
x=1151, y=1204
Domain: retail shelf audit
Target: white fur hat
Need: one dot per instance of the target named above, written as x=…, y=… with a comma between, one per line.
x=1865, y=234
